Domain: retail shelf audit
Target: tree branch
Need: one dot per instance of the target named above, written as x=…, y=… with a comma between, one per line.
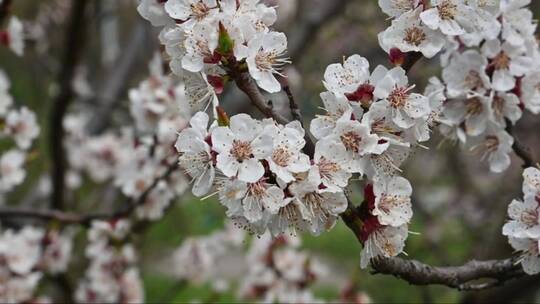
x=418, y=273
x=73, y=45
x=247, y=85
x=309, y=148
x=459, y=277
x=520, y=150
x=70, y=218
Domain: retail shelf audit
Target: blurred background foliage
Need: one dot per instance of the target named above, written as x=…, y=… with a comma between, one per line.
x=459, y=206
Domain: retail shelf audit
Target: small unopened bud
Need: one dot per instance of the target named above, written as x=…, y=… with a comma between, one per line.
x=4, y=38
x=217, y=82
x=396, y=56
x=225, y=42
x=363, y=95
x=222, y=117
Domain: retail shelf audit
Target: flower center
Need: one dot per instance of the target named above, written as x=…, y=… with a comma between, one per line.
x=241, y=150
x=6, y=169
x=351, y=141
x=390, y=202
x=18, y=128
x=398, y=98
x=530, y=218
x=140, y=185
x=389, y=248
x=501, y=61
x=473, y=80
x=257, y=189
x=314, y=203
x=199, y=10
x=498, y=106
x=327, y=168
x=491, y=143
x=474, y=106
x=281, y=156
x=447, y=10
x=202, y=48
x=265, y=60
x=403, y=5
x=414, y=36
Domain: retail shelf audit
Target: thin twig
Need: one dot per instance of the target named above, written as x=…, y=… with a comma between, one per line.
x=520, y=150
x=70, y=218
x=296, y=114
x=417, y=273
x=73, y=45
x=247, y=85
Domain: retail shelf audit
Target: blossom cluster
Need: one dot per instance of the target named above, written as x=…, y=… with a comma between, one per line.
x=490, y=65
x=425, y=26
x=523, y=228
x=280, y=272
x=276, y=268
x=260, y=173
x=13, y=36
x=206, y=36
x=133, y=158
x=198, y=258
x=19, y=125
x=25, y=255
x=372, y=122
x=112, y=275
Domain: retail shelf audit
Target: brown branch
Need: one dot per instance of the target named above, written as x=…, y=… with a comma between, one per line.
x=309, y=148
x=73, y=45
x=520, y=150
x=459, y=277
x=70, y=218
x=411, y=58
x=417, y=273
x=247, y=84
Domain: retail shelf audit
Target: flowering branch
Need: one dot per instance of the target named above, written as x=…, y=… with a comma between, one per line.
x=246, y=84
x=70, y=218
x=459, y=277
x=418, y=273
x=74, y=44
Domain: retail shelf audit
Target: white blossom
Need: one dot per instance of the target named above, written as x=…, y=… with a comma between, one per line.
x=195, y=154
x=451, y=17
x=287, y=158
x=530, y=257
x=240, y=148
x=508, y=62
x=524, y=219
x=22, y=125
x=265, y=58
x=386, y=241
x=12, y=172
x=403, y=106
x=392, y=201
x=408, y=34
